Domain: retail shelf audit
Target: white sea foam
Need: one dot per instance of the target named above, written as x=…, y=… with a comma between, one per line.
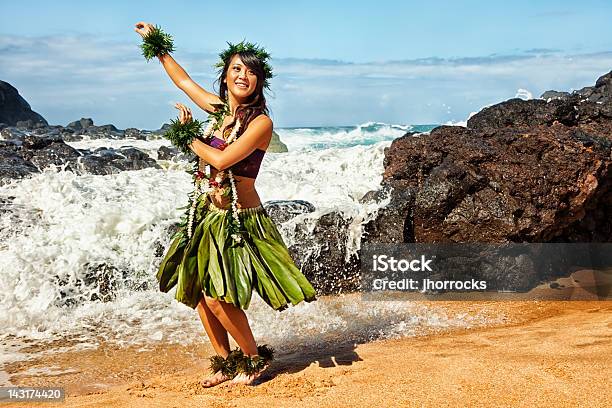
x=67, y=233
x=523, y=94
x=148, y=146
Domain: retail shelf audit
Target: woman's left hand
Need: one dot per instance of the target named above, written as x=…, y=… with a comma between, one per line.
x=184, y=113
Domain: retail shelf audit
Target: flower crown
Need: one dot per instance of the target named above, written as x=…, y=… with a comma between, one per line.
x=243, y=46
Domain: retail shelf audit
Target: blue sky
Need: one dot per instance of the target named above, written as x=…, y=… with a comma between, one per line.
x=337, y=63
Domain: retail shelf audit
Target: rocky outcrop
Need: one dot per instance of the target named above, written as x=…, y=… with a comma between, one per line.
x=320, y=246
x=321, y=253
x=522, y=171
x=15, y=111
x=81, y=124
x=167, y=152
x=276, y=145
x=29, y=144
x=22, y=154
x=106, y=160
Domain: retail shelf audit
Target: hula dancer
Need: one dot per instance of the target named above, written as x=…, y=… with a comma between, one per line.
x=226, y=245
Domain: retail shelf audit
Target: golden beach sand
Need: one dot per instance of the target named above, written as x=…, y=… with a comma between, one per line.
x=544, y=354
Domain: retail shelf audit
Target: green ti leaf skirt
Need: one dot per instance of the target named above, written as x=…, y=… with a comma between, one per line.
x=211, y=263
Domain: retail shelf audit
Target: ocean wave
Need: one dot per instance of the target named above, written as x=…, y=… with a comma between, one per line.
x=366, y=134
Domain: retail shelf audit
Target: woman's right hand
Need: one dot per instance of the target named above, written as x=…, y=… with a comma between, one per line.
x=185, y=115
x=143, y=28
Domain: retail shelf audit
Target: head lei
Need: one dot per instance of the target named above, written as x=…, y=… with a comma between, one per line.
x=244, y=46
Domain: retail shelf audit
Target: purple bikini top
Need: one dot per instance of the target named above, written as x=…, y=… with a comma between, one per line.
x=247, y=167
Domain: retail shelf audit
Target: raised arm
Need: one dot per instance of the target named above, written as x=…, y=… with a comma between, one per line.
x=181, y=79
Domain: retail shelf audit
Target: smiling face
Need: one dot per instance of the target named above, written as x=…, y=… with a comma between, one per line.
x=241, y=80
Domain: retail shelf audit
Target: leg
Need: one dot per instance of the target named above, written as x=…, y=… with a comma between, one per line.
x=214, y=329
x=236, y=322
x=218, y=338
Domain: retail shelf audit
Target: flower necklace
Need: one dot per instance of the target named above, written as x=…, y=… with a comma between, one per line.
x=205, y=184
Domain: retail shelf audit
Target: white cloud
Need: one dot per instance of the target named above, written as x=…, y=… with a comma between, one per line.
x=65, y=78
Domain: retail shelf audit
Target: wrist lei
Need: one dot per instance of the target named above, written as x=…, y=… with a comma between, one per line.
x=156, y=43
x=182, y=135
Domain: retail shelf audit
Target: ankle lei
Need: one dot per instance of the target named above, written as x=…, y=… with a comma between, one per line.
x=237, y=362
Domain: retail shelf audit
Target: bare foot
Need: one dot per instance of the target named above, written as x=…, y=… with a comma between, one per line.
x=214, y=379
x=242, y=378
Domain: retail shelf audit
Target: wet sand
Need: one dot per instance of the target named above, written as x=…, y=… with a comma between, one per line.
x=545, y=353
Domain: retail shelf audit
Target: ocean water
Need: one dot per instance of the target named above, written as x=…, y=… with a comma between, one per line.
x=68, y=236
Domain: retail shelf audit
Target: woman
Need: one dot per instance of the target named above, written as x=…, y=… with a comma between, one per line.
x=213, y=274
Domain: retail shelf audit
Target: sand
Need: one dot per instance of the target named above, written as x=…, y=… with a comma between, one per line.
x=546, y=353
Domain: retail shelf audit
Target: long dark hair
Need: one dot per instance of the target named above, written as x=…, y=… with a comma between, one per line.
x=256, y=104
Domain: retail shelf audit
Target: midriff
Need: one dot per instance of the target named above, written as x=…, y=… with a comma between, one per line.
x=247, y=194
